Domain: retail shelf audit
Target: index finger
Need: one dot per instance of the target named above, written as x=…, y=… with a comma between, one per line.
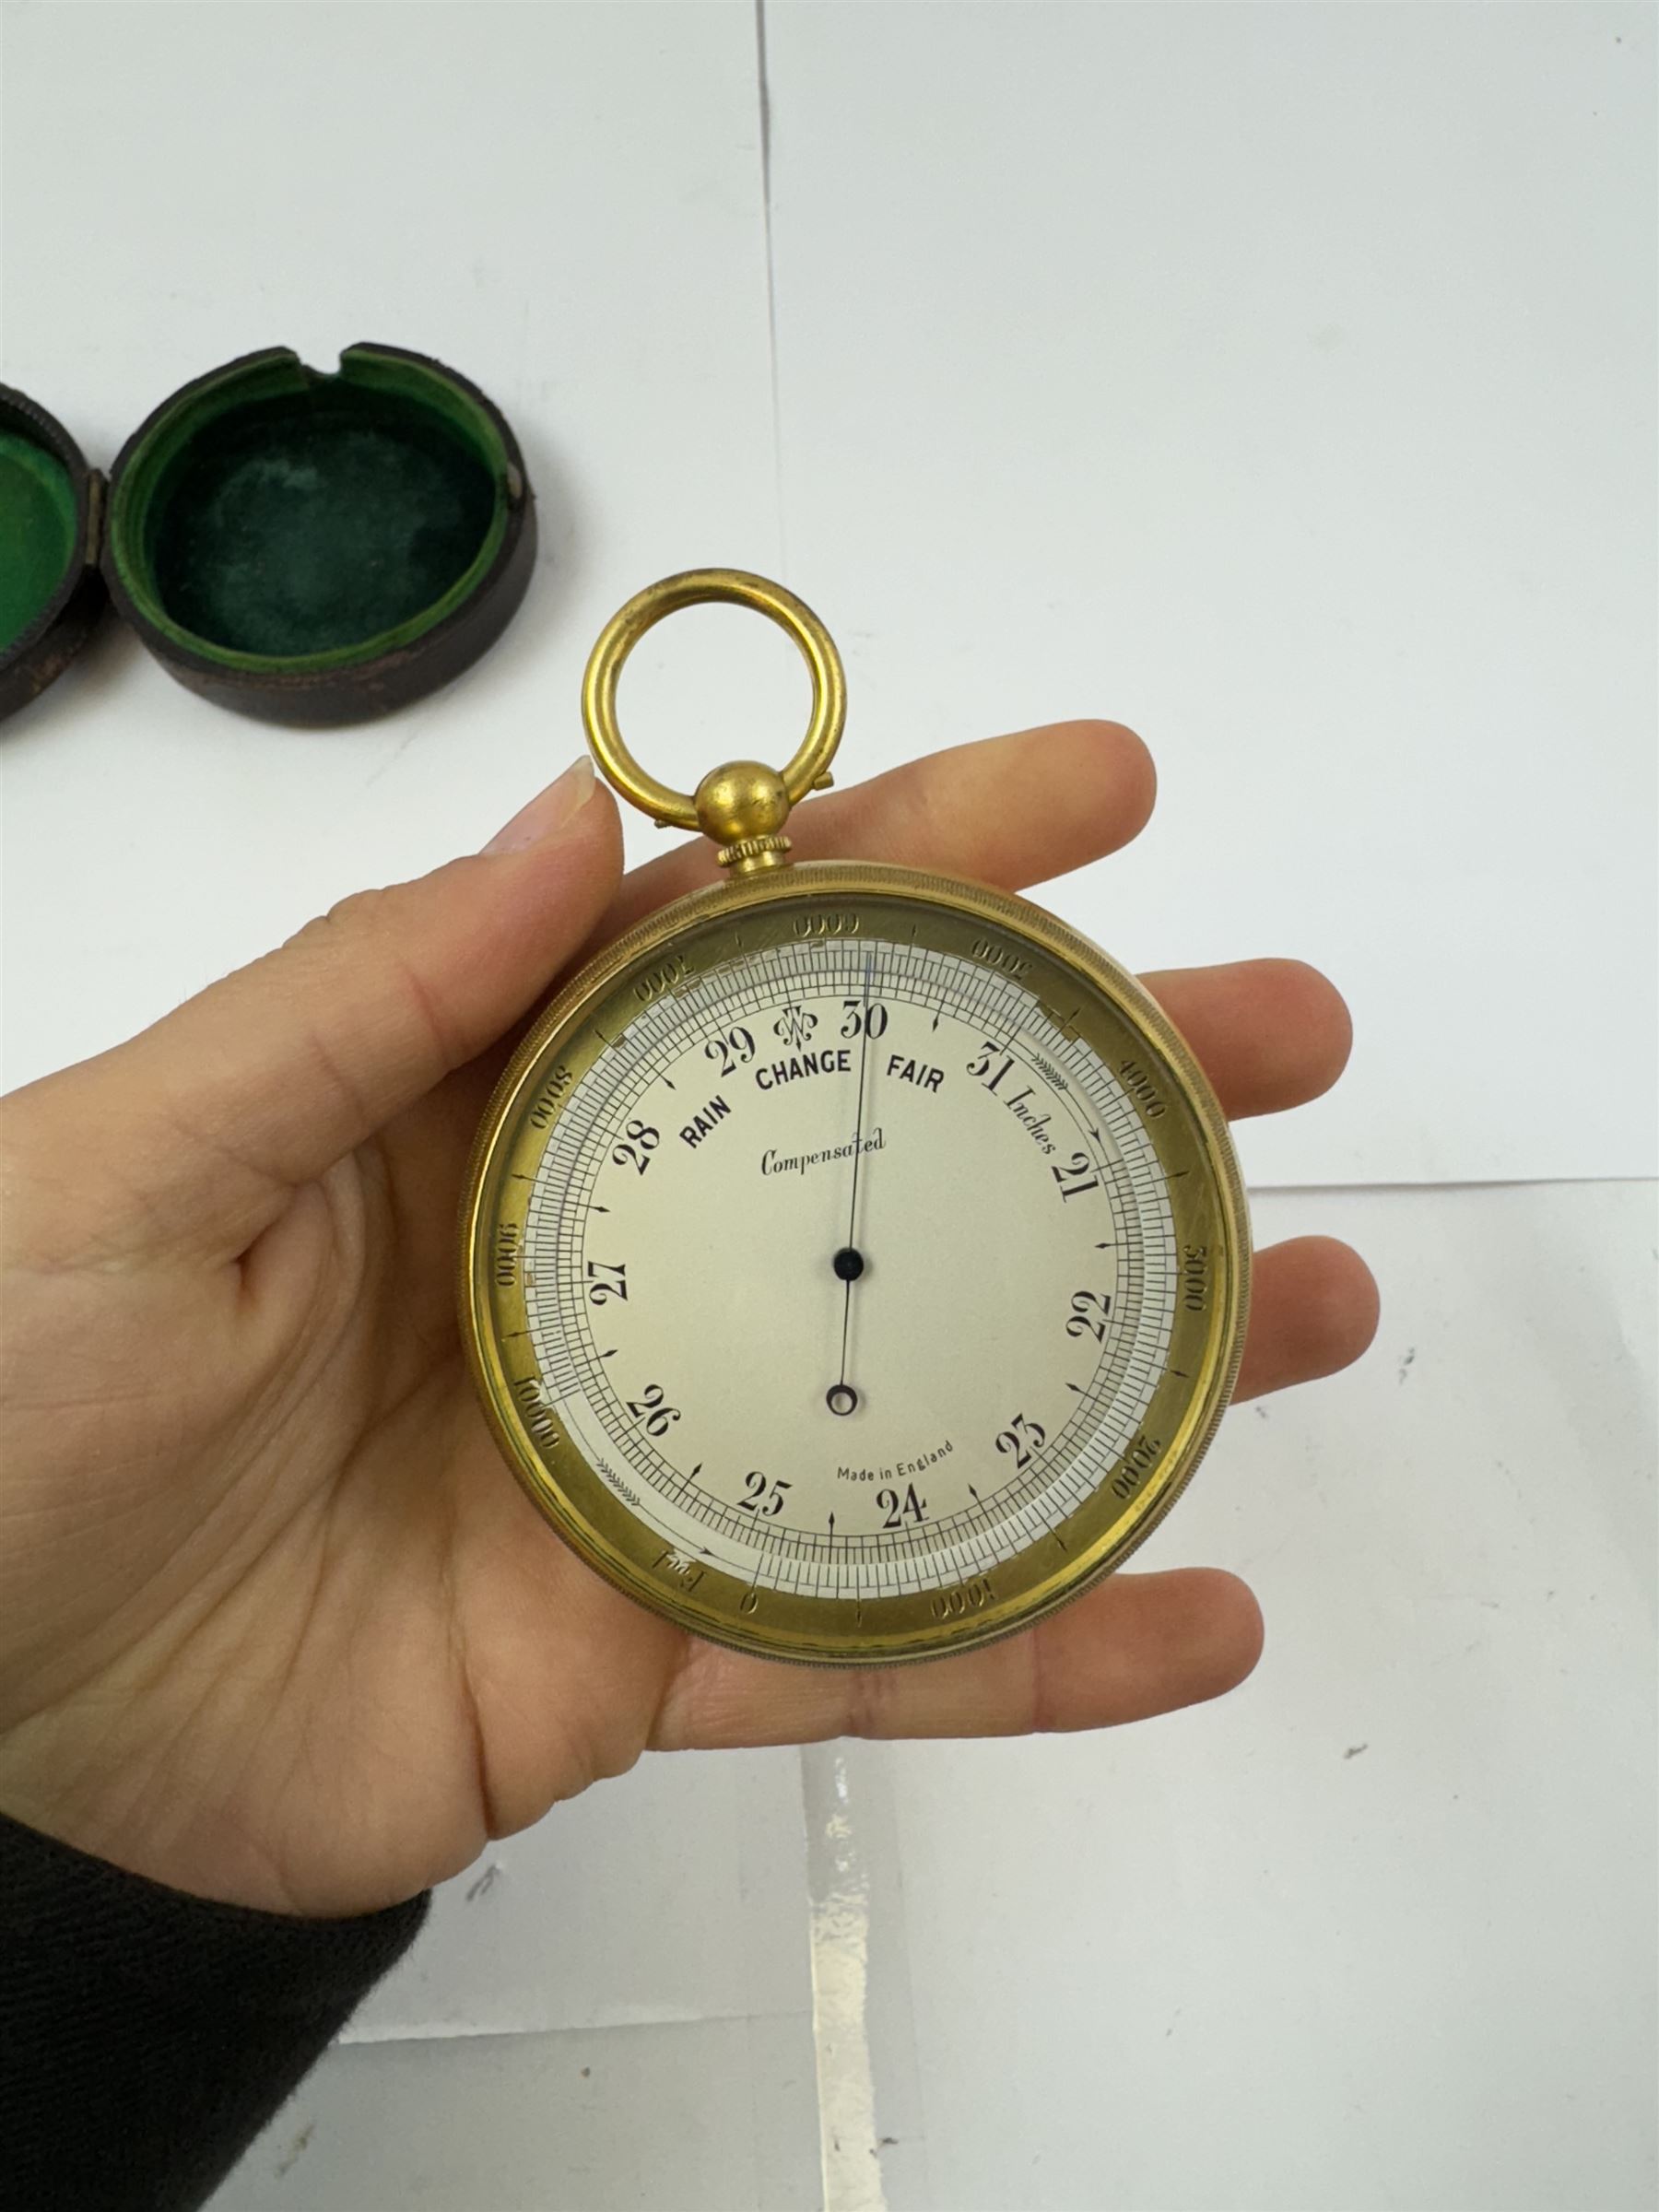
x=1007, y=811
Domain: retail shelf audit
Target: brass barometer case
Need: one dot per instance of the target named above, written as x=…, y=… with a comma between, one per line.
x=855, y=1262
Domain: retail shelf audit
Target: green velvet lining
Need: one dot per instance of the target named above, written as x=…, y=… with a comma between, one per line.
x=278, y=518
x=37, y=532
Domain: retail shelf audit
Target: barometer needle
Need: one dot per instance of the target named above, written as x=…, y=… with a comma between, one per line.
x=845, y=1259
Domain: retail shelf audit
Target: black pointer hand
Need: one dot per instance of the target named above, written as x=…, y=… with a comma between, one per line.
x=849, y=1261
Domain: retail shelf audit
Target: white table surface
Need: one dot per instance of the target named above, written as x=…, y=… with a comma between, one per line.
x=1279, y=380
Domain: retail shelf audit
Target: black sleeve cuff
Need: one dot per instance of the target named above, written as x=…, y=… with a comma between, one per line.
x=147, y=2036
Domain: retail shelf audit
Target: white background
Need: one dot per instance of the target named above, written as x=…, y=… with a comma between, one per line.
x=1279, y=380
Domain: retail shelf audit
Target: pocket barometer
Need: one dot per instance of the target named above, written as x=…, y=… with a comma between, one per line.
x=855, y=1260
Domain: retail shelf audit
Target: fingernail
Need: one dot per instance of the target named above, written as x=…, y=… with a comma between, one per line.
x=549, y=810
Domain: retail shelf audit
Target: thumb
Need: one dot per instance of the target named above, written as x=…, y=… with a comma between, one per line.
x=266, y=1079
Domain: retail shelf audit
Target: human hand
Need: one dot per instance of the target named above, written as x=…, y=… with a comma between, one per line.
x=275, y=1624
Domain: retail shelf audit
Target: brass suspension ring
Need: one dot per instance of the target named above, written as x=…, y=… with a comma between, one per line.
x=694, y=588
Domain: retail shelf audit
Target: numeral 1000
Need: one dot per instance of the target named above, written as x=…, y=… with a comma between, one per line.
x=966, y=1597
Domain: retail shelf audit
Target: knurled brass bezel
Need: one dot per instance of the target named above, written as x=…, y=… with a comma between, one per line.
x=751, y=848
x=1193, y=1147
